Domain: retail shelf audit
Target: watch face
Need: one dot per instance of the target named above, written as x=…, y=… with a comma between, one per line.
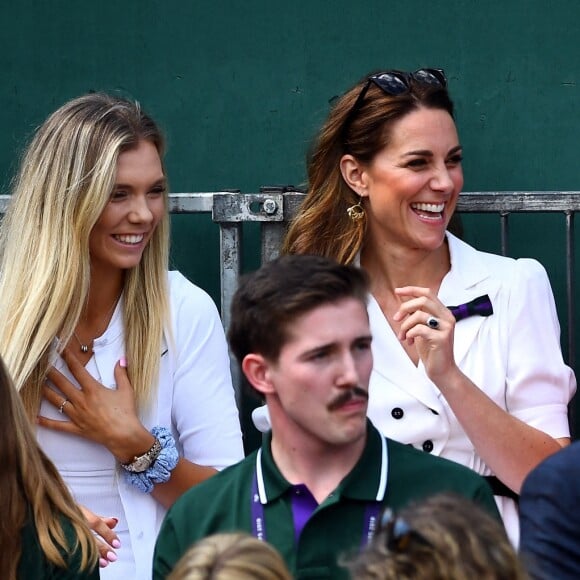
x=143, y=462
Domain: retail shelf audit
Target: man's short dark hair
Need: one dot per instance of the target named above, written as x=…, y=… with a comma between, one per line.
x=271, y=298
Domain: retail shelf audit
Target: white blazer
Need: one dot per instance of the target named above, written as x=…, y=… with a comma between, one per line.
x=513, y=355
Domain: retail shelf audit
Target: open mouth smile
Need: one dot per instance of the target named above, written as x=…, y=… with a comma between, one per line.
x=432, y=211
x=132, y=239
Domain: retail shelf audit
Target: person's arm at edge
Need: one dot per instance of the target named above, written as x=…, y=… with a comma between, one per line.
x=202, y=362
x=547, y=505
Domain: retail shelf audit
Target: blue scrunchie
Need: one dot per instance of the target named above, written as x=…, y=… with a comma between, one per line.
x=161, y=468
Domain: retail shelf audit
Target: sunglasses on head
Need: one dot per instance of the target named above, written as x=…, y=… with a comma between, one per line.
x=398, y=533
x=396, y=82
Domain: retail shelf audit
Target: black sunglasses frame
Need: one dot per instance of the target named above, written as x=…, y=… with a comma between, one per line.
x=396, y=82
x=399, y=534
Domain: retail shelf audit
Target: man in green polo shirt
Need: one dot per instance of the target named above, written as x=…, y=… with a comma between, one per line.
x=314, y=490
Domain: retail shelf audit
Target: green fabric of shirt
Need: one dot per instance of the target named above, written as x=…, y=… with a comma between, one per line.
x=222, y=504
x=33, y=564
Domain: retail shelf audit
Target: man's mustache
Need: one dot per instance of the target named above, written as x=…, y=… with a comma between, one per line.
x=346, y=396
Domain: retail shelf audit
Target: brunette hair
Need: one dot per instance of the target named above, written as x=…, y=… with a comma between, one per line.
x=32, y=491
x=322, y=226
x=271, y=298
x=64, y=183
x=445, y=537
x=233, y=556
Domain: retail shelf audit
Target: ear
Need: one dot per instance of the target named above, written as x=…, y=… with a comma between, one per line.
x=257, y=371
x=354, y=174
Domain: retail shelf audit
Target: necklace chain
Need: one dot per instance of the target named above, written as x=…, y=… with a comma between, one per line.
x=85, y=348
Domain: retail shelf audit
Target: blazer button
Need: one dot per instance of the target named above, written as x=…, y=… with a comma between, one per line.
x=397, y=413
x=428, y=446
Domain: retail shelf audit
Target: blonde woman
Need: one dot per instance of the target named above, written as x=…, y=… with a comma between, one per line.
x=43, y=535
x=232, y=556
x=123, y=365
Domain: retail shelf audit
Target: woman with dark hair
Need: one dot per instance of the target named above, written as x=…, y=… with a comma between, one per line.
x=43, y=535
x=467, y=359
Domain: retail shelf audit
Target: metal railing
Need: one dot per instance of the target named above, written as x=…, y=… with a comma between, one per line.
x=274, y=207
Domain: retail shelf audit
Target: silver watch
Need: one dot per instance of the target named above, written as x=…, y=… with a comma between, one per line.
x=143, y=462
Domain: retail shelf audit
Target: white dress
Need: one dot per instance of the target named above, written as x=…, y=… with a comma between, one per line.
x=195, y=400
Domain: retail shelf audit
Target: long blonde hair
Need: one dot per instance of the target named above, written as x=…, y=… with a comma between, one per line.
x=65, y=180
x=32, y=489
x=231, y=556
x=322, y=226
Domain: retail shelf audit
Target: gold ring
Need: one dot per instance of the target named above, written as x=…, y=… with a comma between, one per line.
x=61, y=408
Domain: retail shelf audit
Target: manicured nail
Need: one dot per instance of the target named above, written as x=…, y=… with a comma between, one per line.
x=116, y=543
x=111, y=556
x=103, y=563
x=123, y=362
x=116, y=519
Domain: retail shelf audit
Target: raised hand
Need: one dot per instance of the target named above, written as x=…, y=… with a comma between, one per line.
x=429, y=325
x=106, y=416
x=105, y=537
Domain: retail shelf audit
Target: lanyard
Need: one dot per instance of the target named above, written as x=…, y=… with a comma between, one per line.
x=259, y=523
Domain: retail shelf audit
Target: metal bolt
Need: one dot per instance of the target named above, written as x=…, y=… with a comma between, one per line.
x=270, y=206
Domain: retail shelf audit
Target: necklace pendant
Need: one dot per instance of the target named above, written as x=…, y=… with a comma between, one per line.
x=84, y=348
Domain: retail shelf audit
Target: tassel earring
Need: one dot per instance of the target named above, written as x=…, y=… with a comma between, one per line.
x=356, y=212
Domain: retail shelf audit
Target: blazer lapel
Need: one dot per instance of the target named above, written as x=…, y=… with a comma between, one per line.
x=468, y=278
x=396, y=367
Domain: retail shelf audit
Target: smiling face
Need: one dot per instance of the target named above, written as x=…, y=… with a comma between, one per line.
x=317, y=389
x=412, y=185
x=135, y=208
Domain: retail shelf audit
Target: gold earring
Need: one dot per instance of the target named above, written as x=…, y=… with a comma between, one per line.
x=356, y=212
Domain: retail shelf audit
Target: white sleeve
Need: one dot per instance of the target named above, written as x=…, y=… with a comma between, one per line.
x=538, y=384
x=204, y=410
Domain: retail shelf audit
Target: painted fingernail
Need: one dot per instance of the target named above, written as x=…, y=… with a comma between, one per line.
x=116, y=519
x=103, y=563
x=111, y=556
x=116, y=544
x=123, y=362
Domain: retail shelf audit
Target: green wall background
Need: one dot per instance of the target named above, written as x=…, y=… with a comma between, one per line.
x=240, y=88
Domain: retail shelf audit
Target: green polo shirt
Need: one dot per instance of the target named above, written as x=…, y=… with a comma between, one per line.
x=392, y=473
